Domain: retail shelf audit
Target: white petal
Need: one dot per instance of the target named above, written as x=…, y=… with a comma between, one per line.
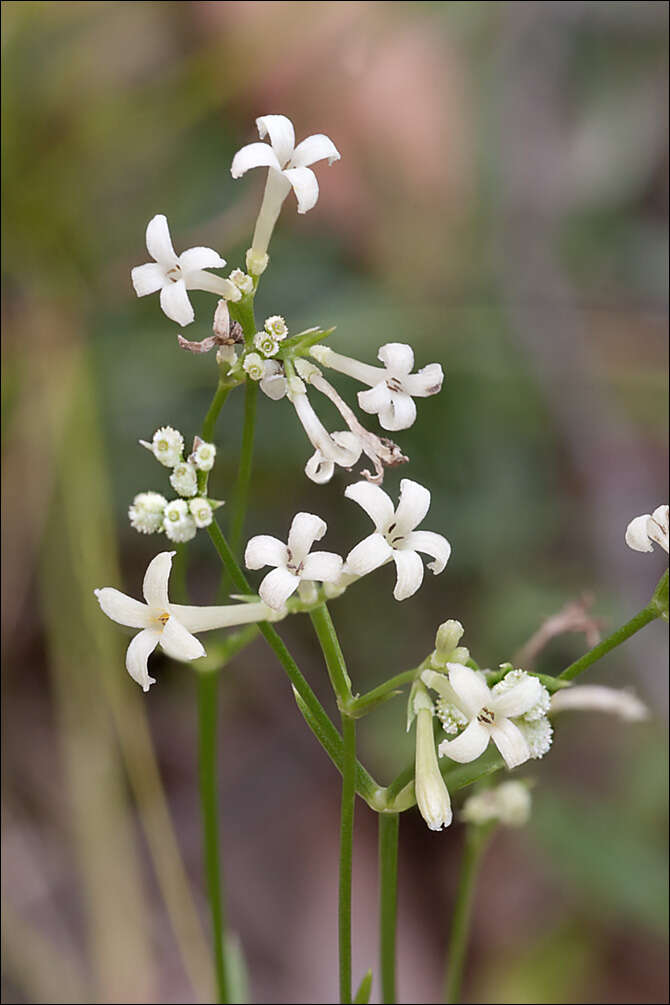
x=322, y=566
x=410, y=573
x=175, y=303
x=277, y=587
x=178, y=643
x=122, y=609
x=159, y=244
x=349, y=443
x=424, y=383
x=657, y=527
x=400, y=412
x=206, y=619
x=375, y=399
x=368, y=555
x=314, y=148
x=273, y=383
x=319, y=469
x=467, y=747
x=510, y=742
x=265, y=550
x=201, y=258
x=637, y=537
x=252, y=156
x=147, y=278
x=518, y=699
x=306, y=528
x=138, y=653
x=155, y=585
x=376, y=503
x=472, y=693
x=397, y=357
x=598, y=698
x=429, y=543
x=281, y=132
x=413, y=505
x=305, y=186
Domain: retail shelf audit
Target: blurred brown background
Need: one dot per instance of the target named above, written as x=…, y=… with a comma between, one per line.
x=501, y=203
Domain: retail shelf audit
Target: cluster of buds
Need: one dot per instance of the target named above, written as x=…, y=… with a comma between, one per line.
x=179, y=519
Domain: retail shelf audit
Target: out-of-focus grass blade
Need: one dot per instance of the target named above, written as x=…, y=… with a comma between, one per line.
x=362, y=996
x=238, y=974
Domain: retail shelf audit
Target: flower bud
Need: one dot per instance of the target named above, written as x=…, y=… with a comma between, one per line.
x=146, y=512
x=184, y=479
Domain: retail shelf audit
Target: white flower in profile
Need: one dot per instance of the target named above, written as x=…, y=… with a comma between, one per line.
x=395, y=535
x=174, y=274
x=649, y=529
x=293, y=564
x=342, y=448
x=510, y=803
x=393, y=387
x=598, y=698
x=170, y=626
x=289, y=167
x=490, y=712
x=432, y=795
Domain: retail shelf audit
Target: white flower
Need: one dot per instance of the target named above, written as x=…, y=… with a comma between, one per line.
x=489, y=711
x=266, y=343
x=174, y=274
x=648, y=529
x=169, y=625
x=178, y=523
x=288, y=168
x=273, y=382
x=146, y=512
x=392, y=387
x=339, y=448
x=201, y=511
x=244, y=283
x=166, y=446
x=275, y=325
x=395, y=536
x=253, y=366
x=432, y=795
x=292, y=562
x=184, y=479
x=597, y=698
x=204, y=455
x=510, y=803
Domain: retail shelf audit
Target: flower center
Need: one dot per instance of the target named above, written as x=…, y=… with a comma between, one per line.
x=163, y=618
x=393, y=384
x=174, y=273
x=393, y=538
x=486, y=717
x=291, y=565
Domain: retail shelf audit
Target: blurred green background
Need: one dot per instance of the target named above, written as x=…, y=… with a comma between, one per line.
x=501, y=203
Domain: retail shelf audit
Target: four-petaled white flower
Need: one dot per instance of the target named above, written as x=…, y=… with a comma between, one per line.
x=174, y=274
x=293, y=565
x=393, y=387
x=170, y=626
x=289, y=167
x=489, y=712
x=395, y=536
x=649, y=529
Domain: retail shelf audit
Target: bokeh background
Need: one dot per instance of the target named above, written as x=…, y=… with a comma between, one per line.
x=501, y=203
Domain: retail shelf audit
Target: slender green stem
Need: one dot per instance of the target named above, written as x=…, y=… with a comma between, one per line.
x=365, y=702
x=209, y=422
x=346, y=854
x=314, y=713
x=475, y=843
x=332, y=653
x=646, y=615
x=388, y=902
x=207, y=770
x=241, y=493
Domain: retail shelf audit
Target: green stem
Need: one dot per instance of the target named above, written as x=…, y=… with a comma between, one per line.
x=388, y=902
x=241, y=493
x=315, y=715
x=365, y=702
x=332, y=652
x=475, y=843
x=209, y=422
x=647, y=614
x=207, y=770
x=346, y=854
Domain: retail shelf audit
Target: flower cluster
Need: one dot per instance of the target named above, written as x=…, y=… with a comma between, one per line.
x=178, y=519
